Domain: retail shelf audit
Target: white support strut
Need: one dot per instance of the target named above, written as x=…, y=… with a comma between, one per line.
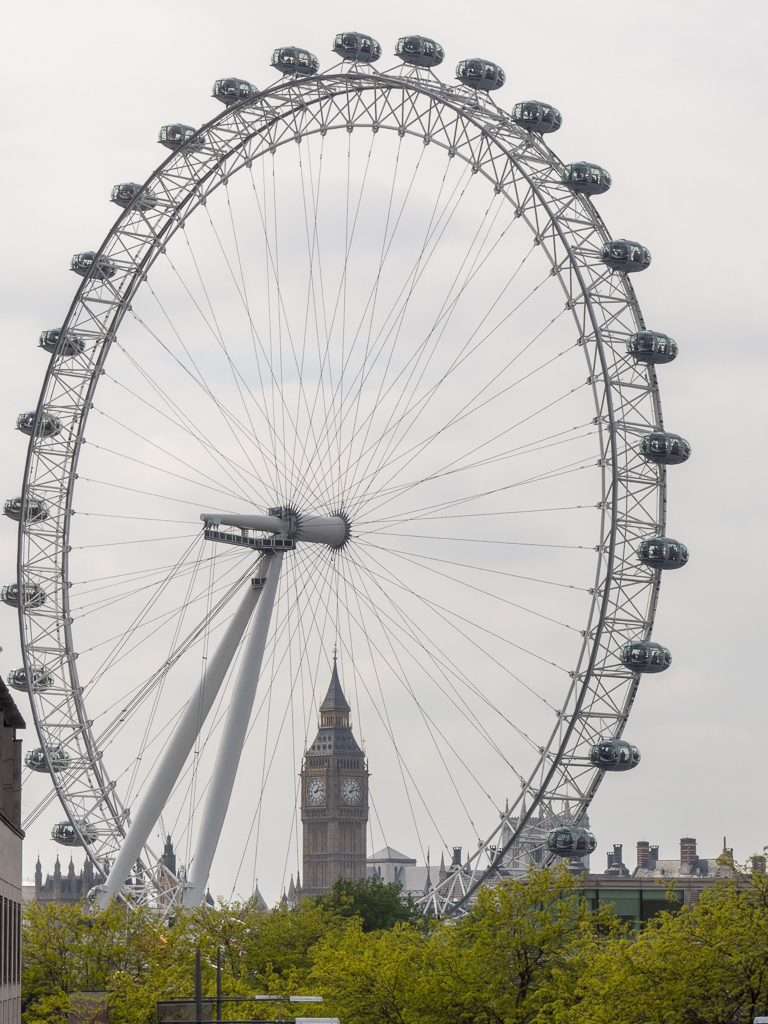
x=172, y=760
x=233, y=737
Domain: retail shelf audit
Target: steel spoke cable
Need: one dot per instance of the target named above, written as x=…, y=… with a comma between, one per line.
x=190, y=431
x=465, y=412
x=486, y=593
x=458, y=416
x=429, y=722
x=215, y=331
x=434, y=335
x=403, y=298
x=391, y=328
x=532, y=447
x=291, y=473
x=566, y=470
x=343, y=367
x=385, y=720
x=192, y=637
x=393, y=491
x=448, y=614
x=158, y=688
x=448, y=669
x=183, y=421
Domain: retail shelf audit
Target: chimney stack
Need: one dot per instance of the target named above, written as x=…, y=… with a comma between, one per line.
x=688, y=851
x=456, y=863
x=758, y=865
x=654, y=854
x=643, y=853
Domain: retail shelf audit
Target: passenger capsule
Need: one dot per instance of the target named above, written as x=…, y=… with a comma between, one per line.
x=588, y=179
x=614, y=756
x=65, y=833
x=173, y=136
x=85, y=263
x=480, y=74
x=292, y=60
x=419, y=51
x=645, y=656
x=51, y=341
x=35, y=511
x=357, y=46
x=93, y=895
x=233, y=90
x=665, y=449
x=35, y=759
x=570, y=841
x=32, y=595
x=662, y=553
x=621, y=254
x=41, y=680
x=48, y=425
x=652, y=347
x=129, y=192
x=537, y=117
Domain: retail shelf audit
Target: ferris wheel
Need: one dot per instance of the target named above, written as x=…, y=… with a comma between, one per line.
x=358, y=366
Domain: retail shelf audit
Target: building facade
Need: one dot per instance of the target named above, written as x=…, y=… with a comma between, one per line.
x=334, y=798
x=11, y=836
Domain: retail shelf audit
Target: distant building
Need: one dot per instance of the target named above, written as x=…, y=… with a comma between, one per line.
x=62, y=888
x=642, y=893
x=334, y=798
x=11, y=836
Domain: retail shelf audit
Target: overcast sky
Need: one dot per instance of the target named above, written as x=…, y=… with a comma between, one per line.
x=670, y=96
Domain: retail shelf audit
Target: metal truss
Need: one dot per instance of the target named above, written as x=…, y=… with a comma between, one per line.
x=521, y=167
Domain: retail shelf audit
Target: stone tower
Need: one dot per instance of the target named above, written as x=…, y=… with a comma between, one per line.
x=334, y=798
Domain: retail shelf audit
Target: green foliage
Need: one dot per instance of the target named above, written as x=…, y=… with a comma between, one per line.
x=378, y=904
x=530, y=952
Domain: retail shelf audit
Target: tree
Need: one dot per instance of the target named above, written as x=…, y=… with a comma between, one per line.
x=707, y=964
x=378, y=904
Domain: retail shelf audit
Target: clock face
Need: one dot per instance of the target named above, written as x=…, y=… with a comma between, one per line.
x=315, y=791
x=351, y=791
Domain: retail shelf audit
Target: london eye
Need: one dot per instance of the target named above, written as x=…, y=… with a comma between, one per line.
x=359, y=365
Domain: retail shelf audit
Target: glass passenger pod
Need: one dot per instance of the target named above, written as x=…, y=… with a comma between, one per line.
x=665, y=449
x=419, y=51
x=357, y=46
x=47, y=426
x=85, y=263
x=662, y=553
x=614, y=756
x=645, y=656
x=480, y=74
x=570, y=841
x=72, y=345
x=621, y=254
x=32, y=594
x=41, y=680
x=588, y=179
x=233, y=90
x=292, y=60
x=65, y=833
x=129, y=191
x=35, y=759
x=35, y=512
x=537, y=117
x=173, y=136
x=652, y=347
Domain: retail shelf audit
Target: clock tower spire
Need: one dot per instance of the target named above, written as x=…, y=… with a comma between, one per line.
x=334, y=797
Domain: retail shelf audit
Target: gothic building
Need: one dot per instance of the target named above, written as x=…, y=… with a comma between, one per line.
x=334, y=798
x=61, y=888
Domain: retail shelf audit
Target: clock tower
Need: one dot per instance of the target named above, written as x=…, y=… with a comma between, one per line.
x=334, y=798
